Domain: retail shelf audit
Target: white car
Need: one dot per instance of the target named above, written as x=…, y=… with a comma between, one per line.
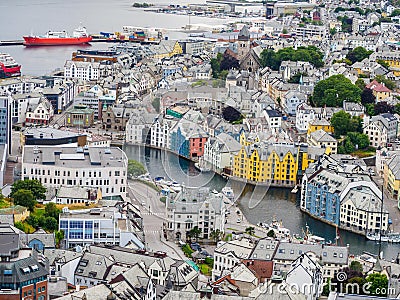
x=238, y=221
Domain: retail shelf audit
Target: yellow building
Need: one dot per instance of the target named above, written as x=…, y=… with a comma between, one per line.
x=392, y=59
x=247, y=139
x=319, y=124
x=279, y=164
x=391, y=175
x=167, y=49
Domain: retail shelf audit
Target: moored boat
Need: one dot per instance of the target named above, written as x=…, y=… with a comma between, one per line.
x=8, y=66
x=228, y=192
x=56, y=38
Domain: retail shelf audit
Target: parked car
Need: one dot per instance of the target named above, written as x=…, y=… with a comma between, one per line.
x=238, y=220
x=195, y=246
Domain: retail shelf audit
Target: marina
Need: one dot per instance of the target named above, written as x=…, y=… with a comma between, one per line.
x=257, y=205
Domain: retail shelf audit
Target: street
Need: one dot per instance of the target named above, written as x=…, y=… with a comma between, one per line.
x=153, y=214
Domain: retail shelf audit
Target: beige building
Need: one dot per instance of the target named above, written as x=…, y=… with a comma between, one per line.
x=322, y=139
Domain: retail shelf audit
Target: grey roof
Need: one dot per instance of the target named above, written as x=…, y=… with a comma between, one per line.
x=7, y=219
x=98, y=157
x=93, y=266
x=74, y=192
x=24, y=269
x=365, y=199
x=394, y=166
x=239, y=248
x=322, y=136
x=191, y=200
x=327, y=254
x=97, y=292
x=60, y=256
x=272, y=113
x=265, y=249
x=9, y=242
x=47, y=239
x=244, y=32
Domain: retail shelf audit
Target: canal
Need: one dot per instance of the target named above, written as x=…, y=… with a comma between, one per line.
x=258, y=204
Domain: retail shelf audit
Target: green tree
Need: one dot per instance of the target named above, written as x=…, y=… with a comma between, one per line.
x=358, y=54
x=59, y=235
x=356, y=266
x=25, y=198
x=250, y=230
x=284, y=31
x=340, y=122
x=50, y=224
x=334, y=90
x=333, y=31
x=359, y=139
x=33, y=185
x=378, y=284
x=135, y=168
x=216, y=235
x=360, y=83
x=195, y=233
x=271, y=233
x=33, y=221
x=156, y=104
x=395, y=12
x=51, y=210
x=397, y=108
x=370, y=109
x=367, y=96
x=216, y=65
x=348, y=146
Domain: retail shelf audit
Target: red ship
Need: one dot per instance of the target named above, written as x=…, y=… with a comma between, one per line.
x=56, y=38
x=8, y=66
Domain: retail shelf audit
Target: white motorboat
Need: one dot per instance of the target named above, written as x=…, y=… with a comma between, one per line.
x=228, y=192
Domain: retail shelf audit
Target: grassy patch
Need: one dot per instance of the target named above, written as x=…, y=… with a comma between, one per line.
x=25, y=227
x=364, y=153
x=4, y=203
x=163, y=199
x=205, y=269
x=187, y=250
x=38, y=212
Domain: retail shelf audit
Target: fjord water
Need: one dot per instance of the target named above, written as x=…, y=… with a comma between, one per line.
x=257, y=206
x=25, y=17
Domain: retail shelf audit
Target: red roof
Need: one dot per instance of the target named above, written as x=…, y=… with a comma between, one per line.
x=377, y=87
x=262, y=269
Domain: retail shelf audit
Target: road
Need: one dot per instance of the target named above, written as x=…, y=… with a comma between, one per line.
x=153, y=214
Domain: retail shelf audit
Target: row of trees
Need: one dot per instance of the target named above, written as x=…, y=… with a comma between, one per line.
x=273, y=60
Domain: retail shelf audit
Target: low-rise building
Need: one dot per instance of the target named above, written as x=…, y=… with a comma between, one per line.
x=322, y=139
x=219, y=151
x=228, y=254
x=97, y=225
x=79, y=116
x=291, y=100
x=273, y=118
x=379, y=90
x=391, y=175
x=39, y=114
x=346, y=199
x=95, y=167
x=195, y=208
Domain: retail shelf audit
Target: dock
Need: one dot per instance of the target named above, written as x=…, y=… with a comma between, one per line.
x=12, y=43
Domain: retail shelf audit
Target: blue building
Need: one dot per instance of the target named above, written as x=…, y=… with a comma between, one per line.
x=179, y=143
x=4, y=121
x=321, y=195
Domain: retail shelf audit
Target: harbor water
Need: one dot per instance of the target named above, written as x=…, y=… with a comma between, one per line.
x=258, y=204
x=25, y=17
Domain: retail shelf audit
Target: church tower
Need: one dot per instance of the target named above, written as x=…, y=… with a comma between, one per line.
x=243, y=42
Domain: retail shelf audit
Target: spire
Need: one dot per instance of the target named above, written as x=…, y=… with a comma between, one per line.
x=244, y=34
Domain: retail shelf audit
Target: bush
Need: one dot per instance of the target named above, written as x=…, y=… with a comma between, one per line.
x=187, y=250
x=135, y=168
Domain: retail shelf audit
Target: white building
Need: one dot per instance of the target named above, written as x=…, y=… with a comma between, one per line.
x=106, y=225
x=160, y=131
x=138, y=127
x=56, y=166
x=218, y=151
x=40, y=113
x=20, y=103
x=228, y=254
x=292, y=100
x=305, y=276
x=322, y=139
x=273, y=118
x=377, y=134
x=195, y=208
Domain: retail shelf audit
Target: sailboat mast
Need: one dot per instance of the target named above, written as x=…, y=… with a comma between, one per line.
x=380, y=229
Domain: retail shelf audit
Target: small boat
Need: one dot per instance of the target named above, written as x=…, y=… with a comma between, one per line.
x=57, y=38
x=176, y=187
x=294, y=190
x=145, y=177
x=393, y=237
x=228, y=192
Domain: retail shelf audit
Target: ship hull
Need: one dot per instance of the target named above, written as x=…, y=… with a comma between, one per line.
x=42, y=41
x=7, y=72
